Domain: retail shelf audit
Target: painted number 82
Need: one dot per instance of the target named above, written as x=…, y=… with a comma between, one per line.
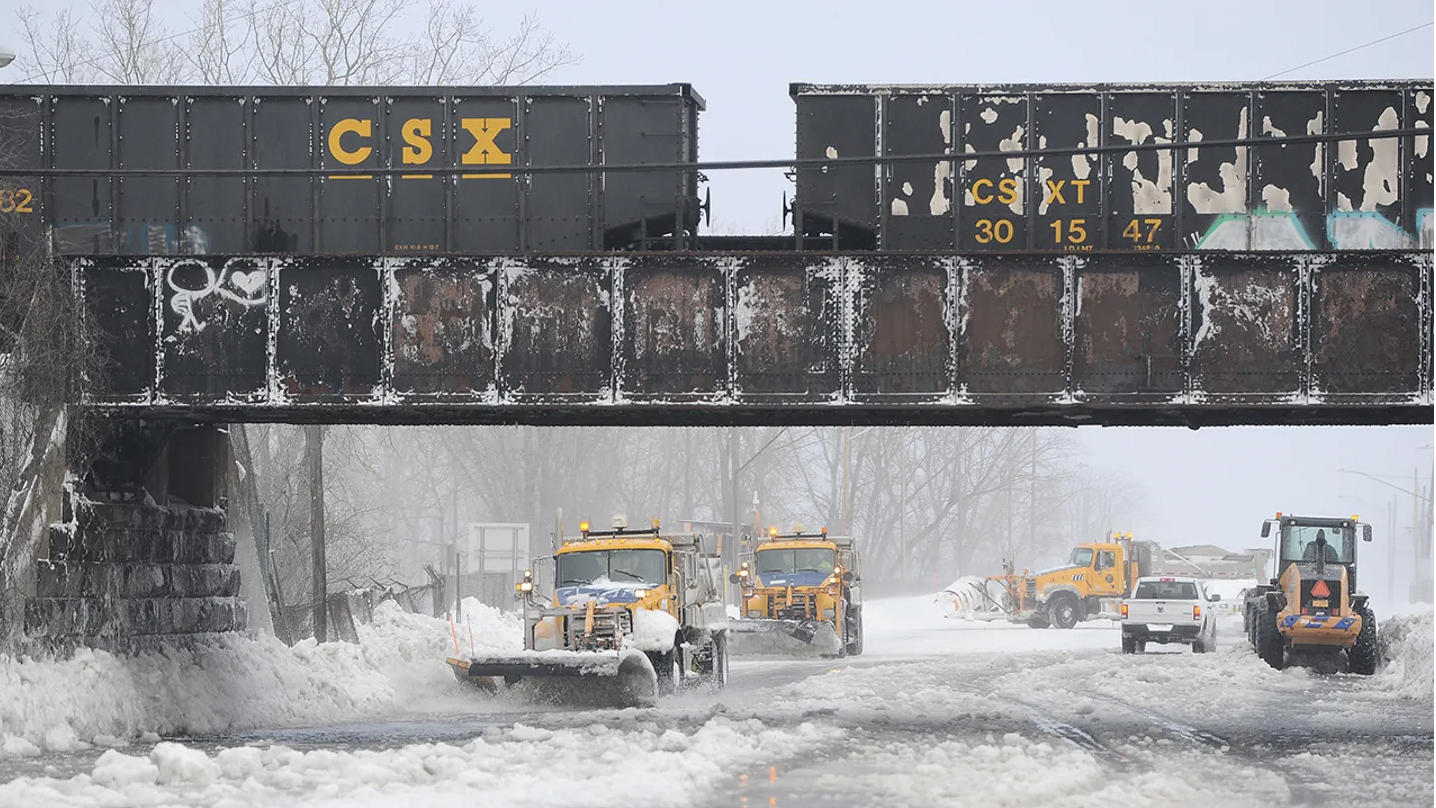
x=16, y=201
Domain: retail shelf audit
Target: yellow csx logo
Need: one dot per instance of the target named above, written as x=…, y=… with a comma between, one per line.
x=350, y=138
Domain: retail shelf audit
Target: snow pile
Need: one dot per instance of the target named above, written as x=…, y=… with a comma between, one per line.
x=1406, y=646
x=654, y=630
x=525, y=765
x=95, y=697
x=1015, y=770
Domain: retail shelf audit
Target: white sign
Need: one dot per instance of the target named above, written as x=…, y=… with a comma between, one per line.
x=498, y=547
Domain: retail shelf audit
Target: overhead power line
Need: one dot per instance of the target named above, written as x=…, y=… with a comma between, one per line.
x=1351, y=50
x=725, y=165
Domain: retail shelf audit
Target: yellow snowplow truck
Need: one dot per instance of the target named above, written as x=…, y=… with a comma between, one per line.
x=1312, y=612
x=639, y=608
x=1094, y=580
x=801, y=596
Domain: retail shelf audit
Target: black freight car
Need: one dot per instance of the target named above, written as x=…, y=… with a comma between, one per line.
x=482, y=131
x=1354, y=194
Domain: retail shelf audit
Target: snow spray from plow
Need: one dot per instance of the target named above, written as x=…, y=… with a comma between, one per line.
x=782, y=638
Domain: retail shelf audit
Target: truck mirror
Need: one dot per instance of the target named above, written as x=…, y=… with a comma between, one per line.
x=1366, y=532
x=733, y=578
x=1265, y=529
x=848, y=576
x=1214, y=598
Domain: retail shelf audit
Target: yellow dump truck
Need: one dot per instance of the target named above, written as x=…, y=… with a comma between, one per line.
x=1094, y=580
x=1312, y=612
x=638, y=607
x=801, y=596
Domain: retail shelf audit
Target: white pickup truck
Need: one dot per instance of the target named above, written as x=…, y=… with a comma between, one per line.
x=1169, y=610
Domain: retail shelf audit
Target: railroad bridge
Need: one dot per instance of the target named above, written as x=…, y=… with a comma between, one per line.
x=986, y=255
x=1192, y=339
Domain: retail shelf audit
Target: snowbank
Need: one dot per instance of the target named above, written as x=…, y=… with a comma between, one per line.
x=521, y=765
x=1406, y=647
x=654, y=630
x=95, y=697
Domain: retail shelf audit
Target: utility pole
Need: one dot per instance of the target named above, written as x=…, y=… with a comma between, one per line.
x=733, y=470
x=1032, y=500
x=314, y=452
x=902, y=511
x=847, y=481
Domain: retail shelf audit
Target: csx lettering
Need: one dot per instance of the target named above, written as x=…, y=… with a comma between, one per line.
x=1054, y=191
x=349, y=141
x=1006, y=191
x=416, y=133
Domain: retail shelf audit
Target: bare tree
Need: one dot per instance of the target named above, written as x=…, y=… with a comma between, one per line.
x=324, y=42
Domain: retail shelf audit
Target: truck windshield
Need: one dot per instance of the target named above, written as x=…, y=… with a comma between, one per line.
x=1166, y=590
x=1081, y=557
x=625, y=567
x=1299, y=543
x=811, y=559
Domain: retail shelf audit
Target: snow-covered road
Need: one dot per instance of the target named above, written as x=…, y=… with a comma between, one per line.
x=937, y=712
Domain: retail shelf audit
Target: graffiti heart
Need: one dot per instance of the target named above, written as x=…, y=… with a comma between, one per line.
x=242, y=280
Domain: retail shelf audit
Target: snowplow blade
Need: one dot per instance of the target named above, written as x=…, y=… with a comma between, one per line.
x=782, y=638
x=607, y=678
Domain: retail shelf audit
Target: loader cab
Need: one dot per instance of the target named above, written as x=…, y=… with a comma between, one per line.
x=1313, y=540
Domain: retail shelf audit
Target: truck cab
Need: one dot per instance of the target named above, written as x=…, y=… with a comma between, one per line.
x=802, y=584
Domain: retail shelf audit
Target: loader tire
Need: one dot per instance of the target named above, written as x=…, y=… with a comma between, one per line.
x=1039, y=621
x=1362, y=656
x=1269, y=644
x=1065, y=612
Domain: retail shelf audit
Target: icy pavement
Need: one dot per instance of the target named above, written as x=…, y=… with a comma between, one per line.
x=938, y=712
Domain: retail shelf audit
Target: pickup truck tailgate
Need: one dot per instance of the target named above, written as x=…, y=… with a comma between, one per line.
x=1162, y=612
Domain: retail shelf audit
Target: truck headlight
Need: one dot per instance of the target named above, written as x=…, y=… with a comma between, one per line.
x=639, y=593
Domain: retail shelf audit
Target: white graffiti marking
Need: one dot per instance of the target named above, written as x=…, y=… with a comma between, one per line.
x=246, y=288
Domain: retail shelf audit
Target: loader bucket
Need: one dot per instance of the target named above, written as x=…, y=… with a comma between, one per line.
x=593, y=678
x=782, y=638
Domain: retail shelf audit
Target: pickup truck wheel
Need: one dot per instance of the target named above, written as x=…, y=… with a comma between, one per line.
x=1200, y=646
x=1064, y=611
x=1129, y=645
x=1362, y=656
x=1141, y=646
x=1269, y=645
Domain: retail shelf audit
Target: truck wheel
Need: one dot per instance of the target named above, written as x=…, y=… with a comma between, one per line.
x=1269, y=644
x=855, y=624
x=1039, y=621
x=669, y=668
x=1129, y=645
x=1199, y=646
x=719, y=676
x=1064, y=611
x=1362, y=655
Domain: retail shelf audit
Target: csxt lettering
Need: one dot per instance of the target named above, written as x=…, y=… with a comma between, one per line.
x=351, y=143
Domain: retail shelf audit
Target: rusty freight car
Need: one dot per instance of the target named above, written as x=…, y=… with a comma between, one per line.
x=1128, y=195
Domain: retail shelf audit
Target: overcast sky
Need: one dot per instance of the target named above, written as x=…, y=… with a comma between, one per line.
x=1214, y=485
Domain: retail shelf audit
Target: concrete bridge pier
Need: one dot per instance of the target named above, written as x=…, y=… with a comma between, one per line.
x=142, y=554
